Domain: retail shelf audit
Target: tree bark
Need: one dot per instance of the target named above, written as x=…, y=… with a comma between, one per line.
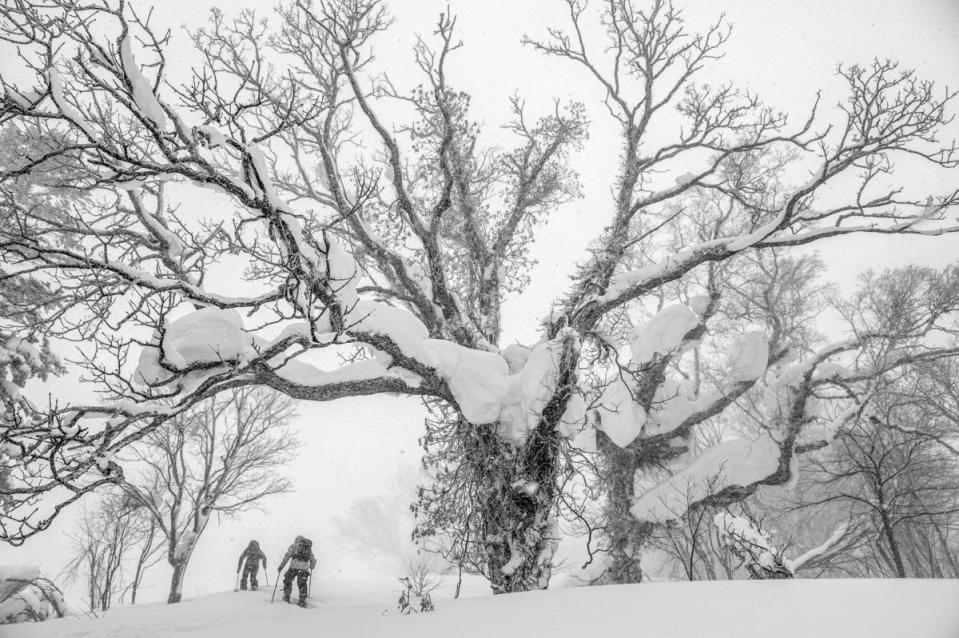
x=145, y=552
x=519, y=555
x=179, y=560
x=625, y=535
x=517, y=517
x=135, y=585
x=893, y=545
x=176, y=582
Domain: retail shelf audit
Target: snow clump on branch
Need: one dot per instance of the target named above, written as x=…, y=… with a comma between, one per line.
x=728, y=464
x=141, y=90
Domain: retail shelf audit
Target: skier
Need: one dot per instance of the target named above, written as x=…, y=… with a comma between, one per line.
x=302, y=561
x=252, y=555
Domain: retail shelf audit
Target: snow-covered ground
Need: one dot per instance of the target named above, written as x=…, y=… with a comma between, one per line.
x=738, y=609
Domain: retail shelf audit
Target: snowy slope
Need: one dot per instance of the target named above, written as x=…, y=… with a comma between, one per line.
x=740, y=609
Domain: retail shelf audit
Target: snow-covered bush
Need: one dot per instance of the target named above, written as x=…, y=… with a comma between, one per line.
x=27, y=597
x=753, y=547
x=422, y=575
x=411, y=602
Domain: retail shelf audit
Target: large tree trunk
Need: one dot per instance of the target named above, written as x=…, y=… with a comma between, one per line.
x=625, y=536
x=179, y=558
x=519, y=558
x=513, y=493
x=517, y=515
x=176, y=582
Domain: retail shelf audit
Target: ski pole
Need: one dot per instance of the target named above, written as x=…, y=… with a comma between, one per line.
x=274, y=585
x=309, y=585
x=236, y=587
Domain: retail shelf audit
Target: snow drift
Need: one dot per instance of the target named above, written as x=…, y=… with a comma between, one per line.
x=730, y=609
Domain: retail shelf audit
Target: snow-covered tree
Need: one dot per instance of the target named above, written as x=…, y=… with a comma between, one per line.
x=25, y=352
x=755, y=309
x=221, y=457
x=756, y=391
x=399, y=258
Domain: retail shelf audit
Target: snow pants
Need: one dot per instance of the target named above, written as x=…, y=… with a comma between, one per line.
x=249, y=571
x=301, y=576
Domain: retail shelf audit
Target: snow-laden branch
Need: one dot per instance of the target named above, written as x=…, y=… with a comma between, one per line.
x=721, y=469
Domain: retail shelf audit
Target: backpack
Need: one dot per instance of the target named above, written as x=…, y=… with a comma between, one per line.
x=303, y=549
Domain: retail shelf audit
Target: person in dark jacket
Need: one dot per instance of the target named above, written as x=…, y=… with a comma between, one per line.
x=302, y=561
x=253, y=557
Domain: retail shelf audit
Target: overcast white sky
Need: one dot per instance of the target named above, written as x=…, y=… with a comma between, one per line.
x=784, y=50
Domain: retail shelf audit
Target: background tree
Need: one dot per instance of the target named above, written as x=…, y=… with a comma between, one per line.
x=398, y=257
x=897, y=320
x=221, y=457
x=756, y=308
x=896, y=476
x=107, y=540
